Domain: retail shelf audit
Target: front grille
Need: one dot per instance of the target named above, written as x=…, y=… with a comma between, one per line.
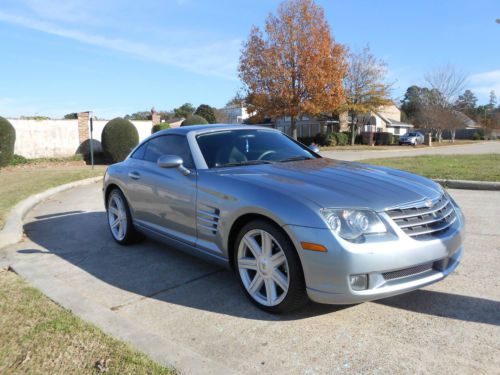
x=423, y=222
x=407, y=271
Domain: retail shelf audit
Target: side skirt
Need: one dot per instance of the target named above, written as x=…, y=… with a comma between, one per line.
x=182, y=246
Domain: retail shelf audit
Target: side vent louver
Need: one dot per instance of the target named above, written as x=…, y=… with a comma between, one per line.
x=208, y=220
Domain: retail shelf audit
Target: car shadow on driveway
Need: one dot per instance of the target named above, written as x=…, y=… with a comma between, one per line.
x=150, y=270
x=447, y=305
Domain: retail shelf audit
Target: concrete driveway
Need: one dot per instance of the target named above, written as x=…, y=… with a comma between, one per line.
x=491, y=147
x=450, y=327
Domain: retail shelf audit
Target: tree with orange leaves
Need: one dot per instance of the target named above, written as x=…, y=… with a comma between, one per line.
x=297, y=68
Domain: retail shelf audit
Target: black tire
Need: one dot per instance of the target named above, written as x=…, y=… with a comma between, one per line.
x=296, y=296
x=132, y=236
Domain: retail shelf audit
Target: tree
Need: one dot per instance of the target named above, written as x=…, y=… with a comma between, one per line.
x=139, y=116
x=493, y=100
x=207, y=112
x=411, y=102
x=466, y=103
x=184, y=110
x=71, y=116
x=194, y=120
x=237, y=100
x=448, y=82
x=221, y=116
x=296, y=68
x=365, y=86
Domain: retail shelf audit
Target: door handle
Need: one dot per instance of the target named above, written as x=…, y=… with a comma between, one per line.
x=134, y=175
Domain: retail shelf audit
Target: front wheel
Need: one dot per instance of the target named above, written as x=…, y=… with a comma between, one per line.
x=269, y=268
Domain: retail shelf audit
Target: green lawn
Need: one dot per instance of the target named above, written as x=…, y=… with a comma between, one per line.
x=17, y=183
x=453, y=167
x=36, y=335
x=39, y=337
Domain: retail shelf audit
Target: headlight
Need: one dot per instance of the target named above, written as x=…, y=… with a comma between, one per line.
x=453, y=202
x=351, y=224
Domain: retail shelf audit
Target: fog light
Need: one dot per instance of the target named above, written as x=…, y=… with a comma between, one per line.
x=359, y=282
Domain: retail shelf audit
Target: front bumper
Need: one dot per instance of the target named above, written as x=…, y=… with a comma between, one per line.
x=394, y=263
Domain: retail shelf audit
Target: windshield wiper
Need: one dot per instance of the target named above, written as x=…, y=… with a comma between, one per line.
x=247, y=162
x=296, y=158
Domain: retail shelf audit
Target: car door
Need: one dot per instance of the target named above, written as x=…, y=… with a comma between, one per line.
x=164, y=199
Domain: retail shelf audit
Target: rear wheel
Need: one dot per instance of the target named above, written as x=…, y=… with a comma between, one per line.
x=269, y=268
x=120, y=220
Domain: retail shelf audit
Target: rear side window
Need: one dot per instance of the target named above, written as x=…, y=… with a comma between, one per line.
x=169, y=145
x=139, y=153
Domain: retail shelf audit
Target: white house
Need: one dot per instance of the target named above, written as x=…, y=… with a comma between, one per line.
x=385, y=119
x=236, y=114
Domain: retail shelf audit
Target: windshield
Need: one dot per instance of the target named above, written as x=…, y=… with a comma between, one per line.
x=248, y=147
x=412, y=134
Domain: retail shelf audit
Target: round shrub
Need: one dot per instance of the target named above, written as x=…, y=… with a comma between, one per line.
x=7, y=140
x=18, y=159
x=342, y=139
x=331, y=140
x=321, y=139
x=160, y=126
x=119, y=137
x=194, y=120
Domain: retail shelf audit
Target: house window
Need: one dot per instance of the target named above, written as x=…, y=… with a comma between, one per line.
x=397, y=130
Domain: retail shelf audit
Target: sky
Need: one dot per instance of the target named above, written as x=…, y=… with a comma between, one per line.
x=114, y=57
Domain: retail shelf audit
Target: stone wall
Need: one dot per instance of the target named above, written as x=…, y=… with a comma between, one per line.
x=46, y=138
x=61, y=138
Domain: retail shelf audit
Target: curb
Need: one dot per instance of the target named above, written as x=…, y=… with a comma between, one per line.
x=468, y=185
x=12, y=231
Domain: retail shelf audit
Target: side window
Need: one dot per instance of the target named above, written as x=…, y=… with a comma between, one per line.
x=139, y=153
x=169, y=145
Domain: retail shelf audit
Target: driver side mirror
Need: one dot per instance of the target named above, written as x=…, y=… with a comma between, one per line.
x=314, y=148
x=172, y=161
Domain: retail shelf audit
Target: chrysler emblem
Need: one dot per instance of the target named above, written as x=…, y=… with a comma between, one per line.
x=428, y=203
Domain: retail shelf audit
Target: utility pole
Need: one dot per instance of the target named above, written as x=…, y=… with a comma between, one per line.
x=91, y=142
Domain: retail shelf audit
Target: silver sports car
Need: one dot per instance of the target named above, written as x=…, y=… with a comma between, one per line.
x=292, y=225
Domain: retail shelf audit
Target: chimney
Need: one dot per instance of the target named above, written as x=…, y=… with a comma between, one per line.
x=155, y=117
x=344, y=121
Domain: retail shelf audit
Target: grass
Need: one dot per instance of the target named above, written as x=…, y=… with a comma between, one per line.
x=39, y=337
x=453, y=167
x=18, y=183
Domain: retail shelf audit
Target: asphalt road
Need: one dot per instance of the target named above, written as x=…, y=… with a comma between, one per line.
x=450, y=327
x=474, y=148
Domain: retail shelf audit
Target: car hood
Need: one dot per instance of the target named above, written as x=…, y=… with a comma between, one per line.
x=332, y=183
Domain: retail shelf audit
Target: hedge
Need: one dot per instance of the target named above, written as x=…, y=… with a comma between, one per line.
x=160, y=126
x=194, y=120
x=119, y=137
x=7, y=141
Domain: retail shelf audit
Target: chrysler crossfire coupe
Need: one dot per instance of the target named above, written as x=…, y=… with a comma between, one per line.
x=292, y=225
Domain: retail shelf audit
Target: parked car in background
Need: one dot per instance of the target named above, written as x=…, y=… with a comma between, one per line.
x=412, y=138
x=292, y=225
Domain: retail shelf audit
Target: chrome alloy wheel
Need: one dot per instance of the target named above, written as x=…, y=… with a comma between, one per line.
x=263, y=267
x=117, y=217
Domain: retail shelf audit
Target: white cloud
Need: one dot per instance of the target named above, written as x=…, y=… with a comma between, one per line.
x=483, y=83
x=214, y=59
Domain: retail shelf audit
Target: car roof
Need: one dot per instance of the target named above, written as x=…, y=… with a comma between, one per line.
x=184, y=130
